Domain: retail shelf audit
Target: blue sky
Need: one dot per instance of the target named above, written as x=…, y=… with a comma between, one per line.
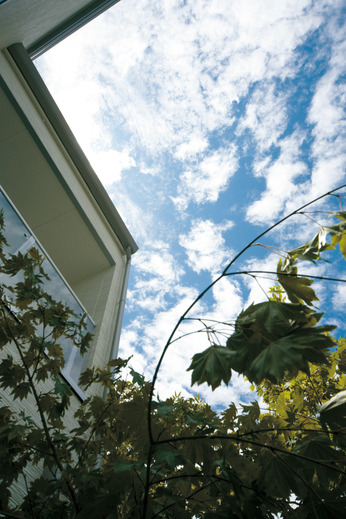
x=206, y=121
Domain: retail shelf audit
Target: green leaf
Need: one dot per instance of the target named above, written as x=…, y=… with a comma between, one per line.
x=311, y=251
x=333, y=412
x=275, y=478
x=293, y=351
x=168, y=456
x=164, y=408
x=320, y=448
x=21, y=390
x=252, y=410
x=212, y=366
x=341, y=215
x=118, y=364
x=271, y=338
x=229, y=473
x=341, y=240
x=60, y=387
x=137, y=378
x=298, y=289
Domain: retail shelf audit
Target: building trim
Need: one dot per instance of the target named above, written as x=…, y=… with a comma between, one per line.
x=56, y=119
x=69, y=26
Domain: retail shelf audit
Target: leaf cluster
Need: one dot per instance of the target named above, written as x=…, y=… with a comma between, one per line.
x=177, y=457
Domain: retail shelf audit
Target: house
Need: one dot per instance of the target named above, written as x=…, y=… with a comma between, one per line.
x=48, y=188
x=52, y=198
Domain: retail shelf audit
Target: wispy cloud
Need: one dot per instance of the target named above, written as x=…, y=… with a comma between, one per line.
x=205, y=245
x=327, y=116
x=265, y=116
x=179, y=105
x=158, y=275
x=172, y=96
x=280, y=177
x=204, y=181
x=110, y=164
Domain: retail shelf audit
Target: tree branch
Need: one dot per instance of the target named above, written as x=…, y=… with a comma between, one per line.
x=237, y=438
x=41, y=413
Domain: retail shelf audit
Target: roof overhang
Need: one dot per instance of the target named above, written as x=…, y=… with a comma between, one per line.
x=69, y=142
x=69, y=26
x=40, y=24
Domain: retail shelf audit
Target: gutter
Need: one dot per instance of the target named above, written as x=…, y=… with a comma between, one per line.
x=119, y=320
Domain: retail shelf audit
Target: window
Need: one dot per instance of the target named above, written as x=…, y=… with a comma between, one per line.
x=21, y=239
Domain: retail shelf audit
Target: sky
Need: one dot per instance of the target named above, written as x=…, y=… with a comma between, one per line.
x=207, y=121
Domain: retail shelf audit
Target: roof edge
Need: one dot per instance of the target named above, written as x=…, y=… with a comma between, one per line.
x=68, y=27
x=22, y=59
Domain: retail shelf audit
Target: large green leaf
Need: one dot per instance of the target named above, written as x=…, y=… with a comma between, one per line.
x=320, y=448
x=168, y=456
x=293, y=351
x=276, y=477
x=271, y=338
x=213, y=366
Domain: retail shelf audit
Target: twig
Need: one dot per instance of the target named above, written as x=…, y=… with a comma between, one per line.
x=237, y=438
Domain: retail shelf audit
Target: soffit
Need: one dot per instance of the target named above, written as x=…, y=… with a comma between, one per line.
x=29, y=180
x=34, y=21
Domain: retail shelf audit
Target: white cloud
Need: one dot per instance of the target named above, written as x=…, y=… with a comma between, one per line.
x=339, y=297
x=285, y=191
x=205, y=245
x=146, y=338
x=258, y=288
x=136, y=217
x=327, y=115
x=164, y=94
x=228, y=299
x=265, y=116
x=196, y=145
x=169, y=78
x=207, y=179
x=173, y=376
x=109, y=164
x=157, y=276
x=280, y=181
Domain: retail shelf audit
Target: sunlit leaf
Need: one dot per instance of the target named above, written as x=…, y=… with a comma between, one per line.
x=333, y=412
x=298, y=289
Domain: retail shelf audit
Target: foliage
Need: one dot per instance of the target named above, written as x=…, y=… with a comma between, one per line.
x=131, y=455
